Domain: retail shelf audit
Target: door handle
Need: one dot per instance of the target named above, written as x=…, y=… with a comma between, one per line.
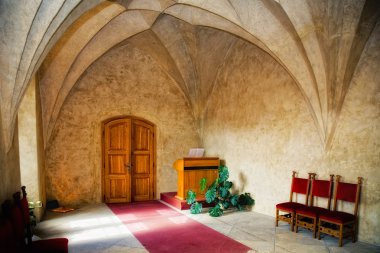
x=128, y=166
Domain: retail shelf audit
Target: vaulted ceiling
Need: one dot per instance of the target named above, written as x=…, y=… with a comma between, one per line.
x=319, y=43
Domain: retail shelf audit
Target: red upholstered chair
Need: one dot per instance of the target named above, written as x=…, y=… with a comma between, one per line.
x=20, y=218
x=24, y=205
x=7, y=238
x=337, y=223
x=307, y=216
x=299, y=186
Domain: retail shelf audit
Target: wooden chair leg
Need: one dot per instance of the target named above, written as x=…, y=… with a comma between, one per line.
x=319, y=231
x=340, y=235
x=296, y=223
x=292, y=221
x=354, y=232
x=315, y=227
x=277, y=213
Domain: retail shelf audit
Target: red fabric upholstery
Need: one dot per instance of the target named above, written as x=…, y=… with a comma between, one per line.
x=289, y=206
x=7, y=240
x=337, y=217
x=312, y=211
x=300, y=185
x=321, y=188
x=346, y=192
x=18, y=224
x=55, y=245
x=25, y=210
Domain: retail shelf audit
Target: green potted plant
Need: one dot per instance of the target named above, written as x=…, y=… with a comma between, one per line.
x=219, y=196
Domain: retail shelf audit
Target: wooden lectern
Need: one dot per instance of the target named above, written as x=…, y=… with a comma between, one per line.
x=190, y=172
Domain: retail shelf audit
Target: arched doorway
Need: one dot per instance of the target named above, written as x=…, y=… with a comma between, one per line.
x=129, y=172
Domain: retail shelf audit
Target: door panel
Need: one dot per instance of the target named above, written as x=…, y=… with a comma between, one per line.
x=128, y=161
x=116, y=164
x=142, y=157
x=142, y=164
x=117, y=150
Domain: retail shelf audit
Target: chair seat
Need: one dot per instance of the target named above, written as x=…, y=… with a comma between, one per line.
x=289, y=206
x=311, y=211
x=7, y=241
x=337, y=217
x=56, y=245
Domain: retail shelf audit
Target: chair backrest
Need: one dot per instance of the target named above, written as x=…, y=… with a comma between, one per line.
x=7, y=240
x=347, y=192
x=322, y=189
x=300, y=186
x=17, y=219
x=25, y=206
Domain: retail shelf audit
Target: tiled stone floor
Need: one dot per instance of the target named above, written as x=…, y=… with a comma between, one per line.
x=94, y=228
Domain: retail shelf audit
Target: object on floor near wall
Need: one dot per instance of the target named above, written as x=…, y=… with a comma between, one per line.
x=307, y=217
x=337, y=223
x=62, y=209
x=299, y=186
x=191, y=170
x=219, y=196
x=51, y=204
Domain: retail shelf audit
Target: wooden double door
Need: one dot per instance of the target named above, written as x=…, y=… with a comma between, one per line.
x=128, y=158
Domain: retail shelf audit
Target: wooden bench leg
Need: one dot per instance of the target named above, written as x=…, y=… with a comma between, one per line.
x=292, y=221
x=315, y=227
x=354, y=232
x=319, y=231
x=277, y=213
x=340, y=235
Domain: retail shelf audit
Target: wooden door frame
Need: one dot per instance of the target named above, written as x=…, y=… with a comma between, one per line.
x=104, y=122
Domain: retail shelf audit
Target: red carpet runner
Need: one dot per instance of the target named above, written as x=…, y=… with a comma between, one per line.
x=161, y=229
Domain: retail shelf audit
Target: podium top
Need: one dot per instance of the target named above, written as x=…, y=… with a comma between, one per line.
x=181, y=164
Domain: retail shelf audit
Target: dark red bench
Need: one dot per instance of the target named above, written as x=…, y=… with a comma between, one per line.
x=15, y=231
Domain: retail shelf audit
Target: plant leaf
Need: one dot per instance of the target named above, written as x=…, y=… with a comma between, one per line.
x=223, y=174
x=224, y=192
x=234, y=200
x=215, y=211
x=228, y=184
x=203, y=184
x=246, y=199
x=226, y=204
x=190, y=197
x=210, y=195
x=196, y=208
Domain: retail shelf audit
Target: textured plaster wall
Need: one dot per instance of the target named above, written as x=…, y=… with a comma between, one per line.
x=125, y=81
x=31, y=169
x=9, y=168
x=257, y=120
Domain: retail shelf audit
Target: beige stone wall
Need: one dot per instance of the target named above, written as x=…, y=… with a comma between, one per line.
x=9, y=168
x=123, y=82
x=258, y=121
x=31, y=167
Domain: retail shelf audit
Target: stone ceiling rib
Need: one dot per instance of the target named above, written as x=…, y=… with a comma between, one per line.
x=45, y=14
x=369, y=18
x=106, y=38
x=300, y=25
x=319, y=43
x=151, y=44
x=284, y=49
x=59, y=21
x=70, y=9
x=14, y=33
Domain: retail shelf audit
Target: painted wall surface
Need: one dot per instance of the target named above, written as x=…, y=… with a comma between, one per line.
x=258, y=122
x=31, y=169
x=9, y=168
x=123, y=82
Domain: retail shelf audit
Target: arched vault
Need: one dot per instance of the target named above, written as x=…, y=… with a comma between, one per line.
x=319, y=43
